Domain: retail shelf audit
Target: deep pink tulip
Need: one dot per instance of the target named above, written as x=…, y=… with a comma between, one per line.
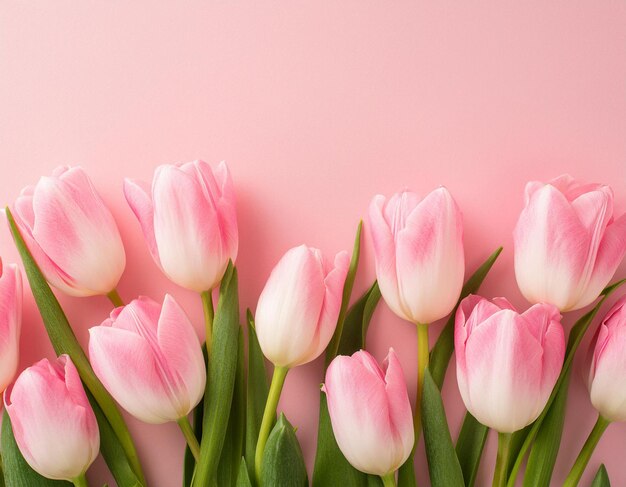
x=298, y=309
x=149, y=358
x=567, y=242
x=71, y=233
x=607, y=377
x=189, y=221
x=507, y=363
x=370, y=412
x=53, y=423
x=418, y=246
x=10, y=322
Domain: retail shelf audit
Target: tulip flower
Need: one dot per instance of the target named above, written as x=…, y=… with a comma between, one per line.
x=567, y=242
x=370, y=413
x=418, y=247
x=296, y=317
x=53, y=423
x=607, y=380
x=10, y=322
x=71, y=234
x=507, y=364
x=149, y=358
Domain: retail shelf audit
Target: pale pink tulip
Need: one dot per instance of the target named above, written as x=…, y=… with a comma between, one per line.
x=418, y=246
x=507, y=363
x=10, y=322
x=189, y=221
x=607, y=377
x=298, y=309
x=149, y=358
x=71, y=233
x=370, y=412
x=53, y=423
x=567, y=242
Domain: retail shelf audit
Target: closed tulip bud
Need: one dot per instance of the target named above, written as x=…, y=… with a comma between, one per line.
x=299, y=306
x=149, y=358
x=607, y=377
x=53, y=423
x=71, y=233
x=370, y=412
x=189, y=221
x=418, y=246
x=10, y=322
x=507, y=363
x=567, y=243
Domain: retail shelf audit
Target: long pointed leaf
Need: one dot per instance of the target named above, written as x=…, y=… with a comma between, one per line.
x=443, y=464
x=189, y=463
x=221, y=379
x=283, y=464
x=469, y=447
x=257, y=391
x=243, y=479
x=602, y=478
x=64, y=342
x=17, y=473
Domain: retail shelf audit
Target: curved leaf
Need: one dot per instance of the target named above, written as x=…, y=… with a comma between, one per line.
x=602, y=478
x=283, y=464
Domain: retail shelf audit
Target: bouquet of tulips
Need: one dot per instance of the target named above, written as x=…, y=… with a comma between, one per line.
x=513, y=367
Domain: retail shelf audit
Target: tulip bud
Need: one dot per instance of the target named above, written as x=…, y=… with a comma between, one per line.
x=607, y=377
x=370, y=412
x=10, y=322
x=189, y=221
x=418, y=246
x=71, y=233
x=507, y=363
x=298, y=309
x=53, y=423
x=149, y=358
x=567, y=243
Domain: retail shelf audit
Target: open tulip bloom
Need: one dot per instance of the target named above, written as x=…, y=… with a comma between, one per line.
x=512, y=366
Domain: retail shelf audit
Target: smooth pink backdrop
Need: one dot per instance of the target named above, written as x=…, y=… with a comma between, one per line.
x=317, y=106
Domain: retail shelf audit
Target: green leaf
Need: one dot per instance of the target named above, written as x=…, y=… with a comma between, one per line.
x=442, y=351
x=443, y=464
x=257, y=391
x=189, y=463
x=228, y=468
x=333, y=346
x=283, y=464
x=602, y=478
x=17, y=473
x=469, y=447
x=575, y=337
x=548, y=441
x=243, y=479
x=64, y=342
x=331, y=467
x=221, y=378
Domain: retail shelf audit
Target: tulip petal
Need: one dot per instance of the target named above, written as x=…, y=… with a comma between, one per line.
x=138, y=197
x=10, y=322
x=399, y=405
x=608, y=386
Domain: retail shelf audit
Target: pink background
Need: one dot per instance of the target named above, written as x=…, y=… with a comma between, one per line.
x=317, y=106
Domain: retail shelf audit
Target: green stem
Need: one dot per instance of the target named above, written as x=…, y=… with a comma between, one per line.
x=269, y=415
x=115, y=298
x=585, y=454
x=1, y=472
x=192, y=441
x=209, y=314
x=423, y=353
x=389, y=480
x=502, y=460
x=80, y=481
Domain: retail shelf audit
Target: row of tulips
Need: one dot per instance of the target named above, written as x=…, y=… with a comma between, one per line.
x=512, y=367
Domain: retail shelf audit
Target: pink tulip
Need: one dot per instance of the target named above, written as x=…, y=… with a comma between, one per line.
x=507, y=363
x=149, y=358
x=53, y=423
x=418, y=246
x=189, y=221
x=71, y=233
x=607, y=377
x=370, y=412
x=567, y=242
x=10, y=322
x=299, y=306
